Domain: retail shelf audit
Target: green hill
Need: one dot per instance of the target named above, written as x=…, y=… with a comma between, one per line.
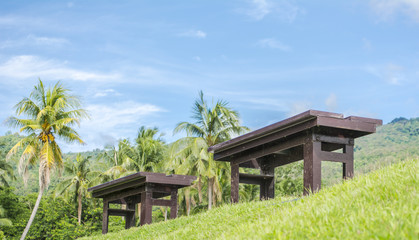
x=381, y=205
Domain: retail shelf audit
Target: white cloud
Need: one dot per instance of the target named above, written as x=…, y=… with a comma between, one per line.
x=391, y=73
x=331, y=102
x=109, y=122
x=194, y=34
x=272, y=43
x=285, y=10
x=106, y=92
x=27, y=66
x=197, y=58
x=387, y=9
x=32, y=40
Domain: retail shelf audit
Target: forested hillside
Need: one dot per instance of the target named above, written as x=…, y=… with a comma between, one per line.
x=57, y=217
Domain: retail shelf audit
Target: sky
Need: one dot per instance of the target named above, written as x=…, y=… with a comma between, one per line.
x=142, y=63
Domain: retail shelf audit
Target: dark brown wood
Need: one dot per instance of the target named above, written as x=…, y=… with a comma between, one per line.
x=146, y=208
x=119, y=212
x=235, y=183
x=302, y=117
x=174, y=205
x=269, y=150
x=105, y=217
x=348, y=166
x=312, y=167
x=142, y=187
x=222, y=156
x=314, y=136
x=130, y=217
x=267, y=188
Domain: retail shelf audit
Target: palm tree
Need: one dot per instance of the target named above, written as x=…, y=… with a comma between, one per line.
x=6, y=170
x=212, y=125
x=78, y=181
x=150, y=149
x=116, y=161
x=49, y=113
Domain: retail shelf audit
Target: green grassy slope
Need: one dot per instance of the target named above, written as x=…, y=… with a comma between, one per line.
x=381, y=205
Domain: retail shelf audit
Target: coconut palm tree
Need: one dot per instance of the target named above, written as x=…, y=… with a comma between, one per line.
x=6, y=172
x=149, y=149
x=78, y=181
x=49, y=114
x=116, y=162
x=212, y=125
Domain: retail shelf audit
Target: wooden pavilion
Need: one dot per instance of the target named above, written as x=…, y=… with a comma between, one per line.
x=146, y=188
x=312, y=136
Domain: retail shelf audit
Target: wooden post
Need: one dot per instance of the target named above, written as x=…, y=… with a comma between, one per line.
x=234, y=183
x=146, y=207
x=130, y=217
x=105, y=216
x=348, y=167
x=267, y=187
x=312, y=166
x=173, y=204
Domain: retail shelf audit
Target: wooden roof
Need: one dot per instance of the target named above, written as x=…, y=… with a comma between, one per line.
x=140, y=179
x=324, y=122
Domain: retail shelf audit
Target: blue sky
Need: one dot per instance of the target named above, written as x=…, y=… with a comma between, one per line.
x=139, y=63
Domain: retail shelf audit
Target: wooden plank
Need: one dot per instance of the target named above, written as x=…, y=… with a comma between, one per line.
x=119, y=212
x=169, y=180
x=332, y=139
x=234, y=183
x=310, y=114
x=118, y=187
x=377, y=122
x=222, y=155
x=346, y=124
x=268, y=150
x=334, y=157
x=161, y=202
x=253, y=178
x=312, y=167
x=123, y=194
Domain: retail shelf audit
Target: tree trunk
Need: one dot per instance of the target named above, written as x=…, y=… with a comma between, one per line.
x=165, y=213
x=199, y=190
x=79, y=208
x=35, y=209
x=209, y=193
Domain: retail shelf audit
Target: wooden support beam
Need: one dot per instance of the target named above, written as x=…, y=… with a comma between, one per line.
x=267, y=187
x=125, y=194
x=119, y=212
x=161, y=202
x=312, y=166
x=112, y=189
x=146, y=207
x=334, y=157
x=332, y=139
x=234, y=183
x=348, y=166
x=253, y=178
x=105, y=217
x=174, y=205
x=130, y=218
x=280, y=146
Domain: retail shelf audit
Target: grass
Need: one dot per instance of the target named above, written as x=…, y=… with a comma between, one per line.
x=381, y=205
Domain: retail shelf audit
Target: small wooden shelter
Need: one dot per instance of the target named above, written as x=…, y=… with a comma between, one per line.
x=312, y=136
x=143, y=187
